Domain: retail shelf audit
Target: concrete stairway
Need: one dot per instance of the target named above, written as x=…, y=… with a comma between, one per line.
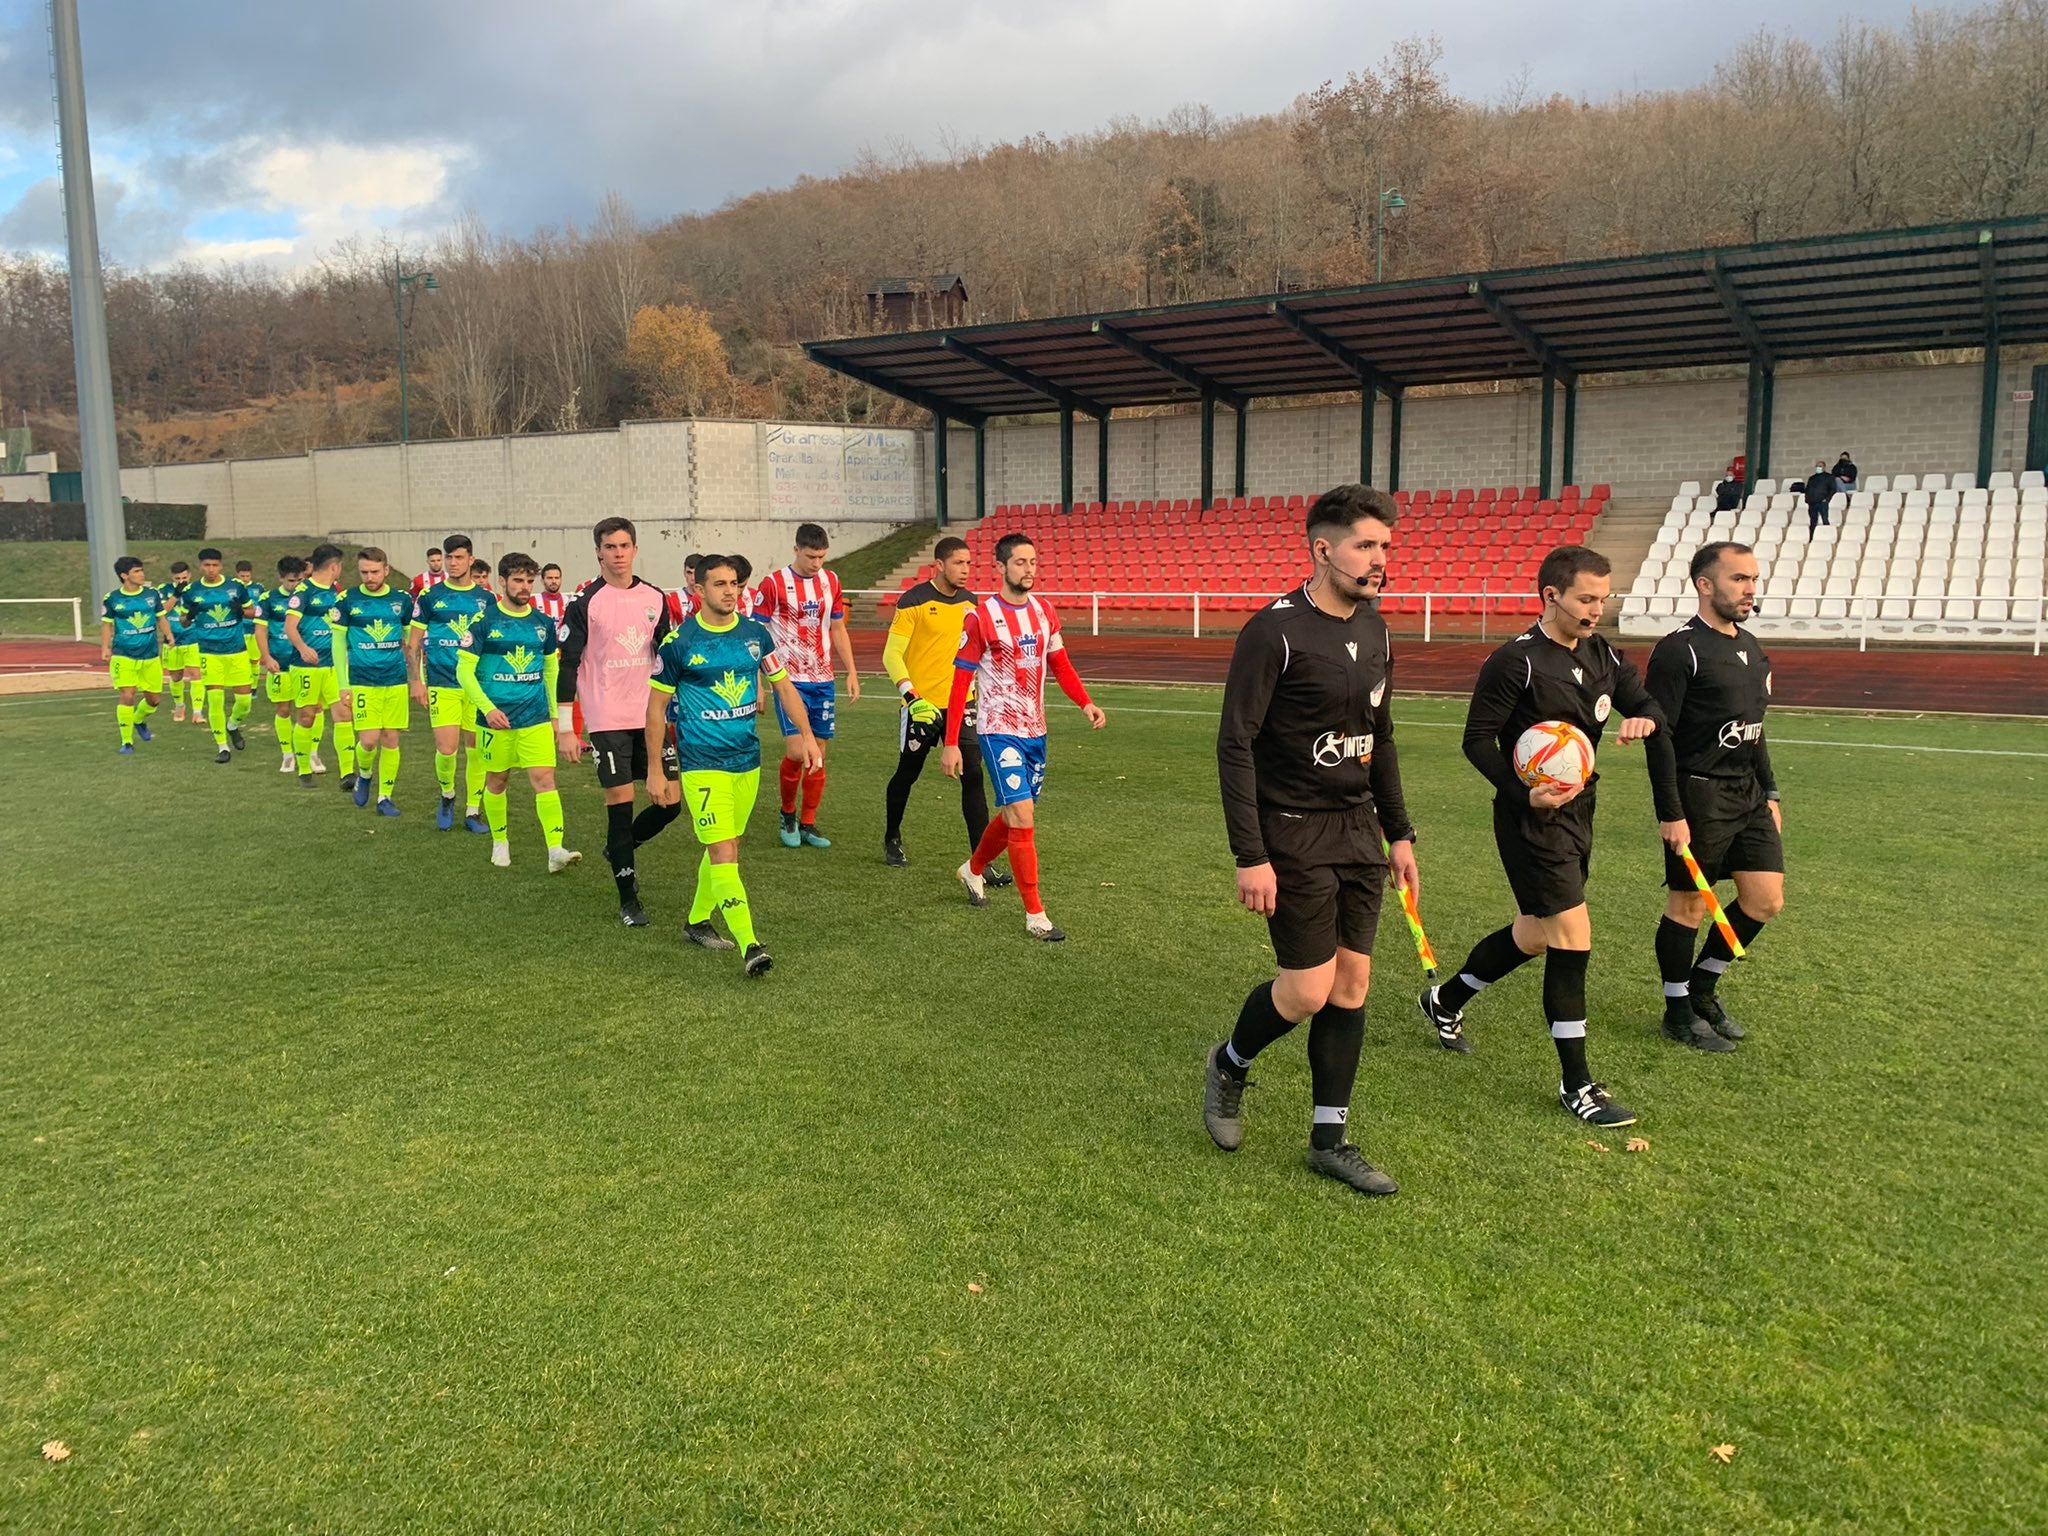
x=1623, y=532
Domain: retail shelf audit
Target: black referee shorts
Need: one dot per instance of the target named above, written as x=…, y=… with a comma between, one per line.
x=1546, y=854
x=1331, y=878
x=622, y=756
x=1732, y=830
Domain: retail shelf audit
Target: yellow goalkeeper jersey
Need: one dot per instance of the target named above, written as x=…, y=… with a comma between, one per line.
x=924, y=639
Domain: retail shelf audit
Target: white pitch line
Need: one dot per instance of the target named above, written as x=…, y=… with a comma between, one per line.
x=1781, y=741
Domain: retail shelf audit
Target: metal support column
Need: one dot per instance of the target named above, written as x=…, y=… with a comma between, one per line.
x=1238, y=482
x=1752, y=411
x=980, y=470
x=1066, y=459
x=1767, y=409
x=1571, y=429
x=940, y=484
x=1987, y=412
x=99, y=455
x=1548, y=429
x=1102, y=458
x=1393, y=444
x=1367, y=404
x=1208, y=450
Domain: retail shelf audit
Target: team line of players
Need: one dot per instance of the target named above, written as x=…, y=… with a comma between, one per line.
x=665, y=686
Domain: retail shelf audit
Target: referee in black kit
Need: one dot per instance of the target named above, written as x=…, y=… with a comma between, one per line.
x=1713, y=682
x=1306, y=757
x=1558, y=669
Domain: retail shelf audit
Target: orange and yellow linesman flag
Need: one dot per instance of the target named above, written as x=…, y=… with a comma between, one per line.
x=1414, y=915
x=1699, y=879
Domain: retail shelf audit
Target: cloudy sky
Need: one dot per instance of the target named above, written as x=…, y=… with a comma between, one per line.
x=230, y=130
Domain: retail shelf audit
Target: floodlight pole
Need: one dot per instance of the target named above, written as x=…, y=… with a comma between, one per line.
x=99, y=453
x=400, y=281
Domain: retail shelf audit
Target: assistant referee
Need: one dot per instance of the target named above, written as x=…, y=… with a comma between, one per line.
x=923, y=640
x=1306, y=757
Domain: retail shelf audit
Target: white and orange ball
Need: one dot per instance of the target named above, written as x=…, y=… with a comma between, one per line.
x=1553, y=754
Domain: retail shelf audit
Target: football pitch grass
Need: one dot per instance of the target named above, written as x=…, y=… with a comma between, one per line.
x=353, y=1185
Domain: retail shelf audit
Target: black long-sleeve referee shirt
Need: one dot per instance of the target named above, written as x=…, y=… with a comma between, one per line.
x=1308, y=721
x=1714, y=689
x=1534, y=678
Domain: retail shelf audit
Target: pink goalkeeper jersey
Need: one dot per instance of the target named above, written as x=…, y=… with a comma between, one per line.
x=799, y=611
x=1008, y=649
x=624, y=626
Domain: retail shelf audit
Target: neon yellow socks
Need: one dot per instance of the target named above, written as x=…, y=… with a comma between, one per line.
x=344, y=747
x=700, y=904
x=547, y=804
x=124, y=716
x=217, y=715
x=143, y=709
x=494, y=813
x=473, y=773
x=243, y=703
x=730, y=897
x=387, y=772
x=444, y=774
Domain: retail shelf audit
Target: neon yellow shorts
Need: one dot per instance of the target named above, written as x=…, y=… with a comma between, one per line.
x=230, y=671
x=279, y=687
x=718, y=804
x=182, y=658
x=314, y=687
x=523, y=746
x=388, y=708
x=447, y=706
x=145, y=673
x=249, y=645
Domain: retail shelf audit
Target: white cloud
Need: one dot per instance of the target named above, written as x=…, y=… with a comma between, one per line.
x=237, y=252
x=357, y=179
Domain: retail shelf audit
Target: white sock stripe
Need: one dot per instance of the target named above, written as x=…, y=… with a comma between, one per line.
x=1715, y=964
x=1567, y=1029
x=1236, y=1060
x=1332, y=1114
x=1678, y=989
x=1473, y=981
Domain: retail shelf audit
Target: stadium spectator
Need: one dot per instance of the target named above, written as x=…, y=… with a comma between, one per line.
x=1844, y=472
x=1819, y=490
x=1728, y=494
x=433, y=575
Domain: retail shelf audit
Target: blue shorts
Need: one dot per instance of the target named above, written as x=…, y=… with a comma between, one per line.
x=1016, y=764
x=818, y=699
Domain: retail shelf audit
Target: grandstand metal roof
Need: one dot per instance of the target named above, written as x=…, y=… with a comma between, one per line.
x=1831, y=296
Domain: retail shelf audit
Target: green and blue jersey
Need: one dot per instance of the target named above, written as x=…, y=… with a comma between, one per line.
x=445, y=612
x=313, y=603
x=134, y=616
x=273, y=608
x=213, y=613
x=715, y=676
x=372, y=625
x=511, y=650
x=173, y=600
x=257, y=592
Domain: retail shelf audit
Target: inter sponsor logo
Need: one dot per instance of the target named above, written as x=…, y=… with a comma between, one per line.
x=1740, y=733
x=1334, y=747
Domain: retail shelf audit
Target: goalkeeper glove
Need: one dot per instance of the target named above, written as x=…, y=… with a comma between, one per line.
x=922, y=711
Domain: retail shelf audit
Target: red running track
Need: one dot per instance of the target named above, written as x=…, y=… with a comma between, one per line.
x=1959, y=681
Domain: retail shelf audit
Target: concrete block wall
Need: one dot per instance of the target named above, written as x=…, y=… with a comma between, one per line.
x=361, y=488
x=24, y=487
x=267, y=498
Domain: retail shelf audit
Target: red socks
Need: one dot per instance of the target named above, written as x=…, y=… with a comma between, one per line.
x=1024, y=865
x=991, y=846
x=792, y=776
x=814, y=791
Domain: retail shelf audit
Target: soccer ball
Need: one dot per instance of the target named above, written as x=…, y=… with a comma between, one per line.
x=1553, y=754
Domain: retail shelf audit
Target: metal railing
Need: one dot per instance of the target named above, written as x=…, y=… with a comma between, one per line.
x=1434, y=602
x=1863, y=609
x=76, y=605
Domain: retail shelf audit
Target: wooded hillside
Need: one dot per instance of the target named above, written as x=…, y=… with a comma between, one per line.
x=1877, y=128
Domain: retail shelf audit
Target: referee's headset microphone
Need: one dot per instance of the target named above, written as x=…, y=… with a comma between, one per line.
x=1361, y=584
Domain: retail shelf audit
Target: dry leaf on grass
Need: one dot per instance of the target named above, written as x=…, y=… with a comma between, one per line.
x=974, y=1287
x=1638, y=1144
x=56, y=1450
x=1599, y=1146
x=1723, y=1454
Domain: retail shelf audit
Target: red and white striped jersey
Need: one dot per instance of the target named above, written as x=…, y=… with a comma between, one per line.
x=1008, y=648
x=799, y=611
x=427, y=579
x=682, y=602
x=554, y=604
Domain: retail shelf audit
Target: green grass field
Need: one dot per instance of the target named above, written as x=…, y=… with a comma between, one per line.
x=352, y=1185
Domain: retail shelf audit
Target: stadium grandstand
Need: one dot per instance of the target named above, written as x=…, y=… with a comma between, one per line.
x=1960, y=562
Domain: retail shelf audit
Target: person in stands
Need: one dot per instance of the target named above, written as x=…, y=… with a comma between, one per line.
x=1844, y=472
x=1819, y=490
x=1728, y=494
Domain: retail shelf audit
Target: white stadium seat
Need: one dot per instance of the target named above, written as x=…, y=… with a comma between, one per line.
x=1905, y=483
x=1934, y=482
x=1959, y=608
x=1963, y=481
x=1766, y=487
x=1875, y=483
x=1688, y=488
x=1706, y=504
x=2033, y=478
x=2001, y=480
